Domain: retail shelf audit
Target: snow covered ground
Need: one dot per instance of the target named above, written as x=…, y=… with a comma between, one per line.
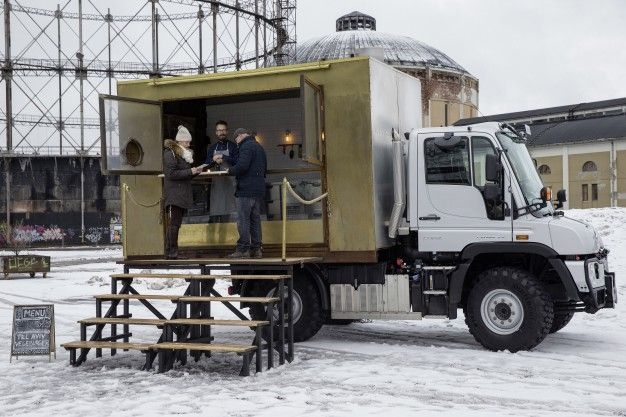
x=401, y=367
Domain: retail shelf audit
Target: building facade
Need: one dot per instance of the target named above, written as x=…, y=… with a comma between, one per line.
x=580, y=148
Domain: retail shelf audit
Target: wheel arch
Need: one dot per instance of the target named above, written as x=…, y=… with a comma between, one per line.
x=316, y=275
x=531, y=256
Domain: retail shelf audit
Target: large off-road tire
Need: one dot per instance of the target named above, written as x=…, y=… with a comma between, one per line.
x=308, y=316
x=560, y=320
x=339, y=322
x=508, y=309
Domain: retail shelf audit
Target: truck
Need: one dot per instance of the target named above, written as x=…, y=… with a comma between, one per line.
x=417, y=222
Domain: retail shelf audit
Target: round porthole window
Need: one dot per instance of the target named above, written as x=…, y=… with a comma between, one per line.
x=132, y=152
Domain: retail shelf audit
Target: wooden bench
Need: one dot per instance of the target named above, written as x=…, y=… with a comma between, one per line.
x=166, y=360
x=86, y=344
x=256, y=324
x=122, y=320
x=213, y=322
x=137, y=297
x=201, y=299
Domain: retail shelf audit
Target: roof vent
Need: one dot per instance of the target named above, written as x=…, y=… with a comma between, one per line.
x=356, y=21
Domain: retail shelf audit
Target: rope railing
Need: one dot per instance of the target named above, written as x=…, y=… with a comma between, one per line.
x=126, y=191
x=286, y=186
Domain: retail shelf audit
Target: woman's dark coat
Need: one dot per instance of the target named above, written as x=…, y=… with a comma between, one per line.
x=177, y=171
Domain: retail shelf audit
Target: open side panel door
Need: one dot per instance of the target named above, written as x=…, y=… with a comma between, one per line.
x=131, y=135
x=312, y=106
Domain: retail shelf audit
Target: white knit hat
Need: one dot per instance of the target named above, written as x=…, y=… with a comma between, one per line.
x=183, y=134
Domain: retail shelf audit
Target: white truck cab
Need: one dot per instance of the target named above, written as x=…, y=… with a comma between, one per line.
x=482, y=234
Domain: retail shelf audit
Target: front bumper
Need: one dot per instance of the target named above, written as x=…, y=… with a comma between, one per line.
x=596, y=286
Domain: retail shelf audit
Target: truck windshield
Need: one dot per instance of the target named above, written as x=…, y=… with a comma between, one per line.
x=524, y=170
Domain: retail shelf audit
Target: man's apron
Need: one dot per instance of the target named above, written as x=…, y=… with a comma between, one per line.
x=222, y=200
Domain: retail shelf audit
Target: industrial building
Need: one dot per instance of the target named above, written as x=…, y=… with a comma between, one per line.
x=580, y=148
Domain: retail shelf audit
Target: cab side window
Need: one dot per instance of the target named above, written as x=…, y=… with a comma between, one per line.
x=481, y=147
x=447, y=165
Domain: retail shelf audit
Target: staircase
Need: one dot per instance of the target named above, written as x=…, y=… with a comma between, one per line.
x=188, y=329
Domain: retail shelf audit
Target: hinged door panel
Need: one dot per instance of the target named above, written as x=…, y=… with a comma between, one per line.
x=131, y=135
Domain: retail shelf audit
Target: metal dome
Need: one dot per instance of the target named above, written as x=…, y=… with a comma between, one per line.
x=399, y=51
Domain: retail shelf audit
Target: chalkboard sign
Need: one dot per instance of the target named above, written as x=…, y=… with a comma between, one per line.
x=33, y=330
x=25, y=263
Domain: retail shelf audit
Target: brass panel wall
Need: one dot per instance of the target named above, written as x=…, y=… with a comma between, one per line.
x=142, y=218
x=555, y=178
x=621, y=178
x=225, y=234
x=600, y=177
x=348, y=147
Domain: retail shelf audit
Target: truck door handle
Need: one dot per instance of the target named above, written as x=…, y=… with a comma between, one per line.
x=431, y=217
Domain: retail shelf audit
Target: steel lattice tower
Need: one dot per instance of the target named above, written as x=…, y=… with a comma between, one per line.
x=55, y=62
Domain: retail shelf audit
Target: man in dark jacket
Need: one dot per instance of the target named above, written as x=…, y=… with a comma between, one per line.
x=177, y=159
x=250, y=192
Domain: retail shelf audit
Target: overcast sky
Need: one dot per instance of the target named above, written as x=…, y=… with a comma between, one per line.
x=527, y=54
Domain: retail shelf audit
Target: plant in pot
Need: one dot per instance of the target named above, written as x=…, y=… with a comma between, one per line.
x=17, y=238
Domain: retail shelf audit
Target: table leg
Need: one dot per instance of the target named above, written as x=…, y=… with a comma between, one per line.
x=290, y=317
x=259, y=358
x=281, y=321
x=270, y=340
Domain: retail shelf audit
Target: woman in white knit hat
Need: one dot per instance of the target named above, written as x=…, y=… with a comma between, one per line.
x=177, y=160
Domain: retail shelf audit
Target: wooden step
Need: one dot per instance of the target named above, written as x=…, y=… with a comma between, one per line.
x=198, y=299
x=86, y=344
x=200, y=276
x=121, y=320
x=206, y=347
x=137, y=297
x=212, y=322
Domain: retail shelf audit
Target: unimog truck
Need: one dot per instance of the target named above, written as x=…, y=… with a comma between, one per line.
x=417, y=222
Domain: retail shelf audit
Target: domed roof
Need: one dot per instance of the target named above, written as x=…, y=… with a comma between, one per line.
x=350, y=38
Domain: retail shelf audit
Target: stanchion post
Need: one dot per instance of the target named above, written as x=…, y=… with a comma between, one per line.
x=284, y=214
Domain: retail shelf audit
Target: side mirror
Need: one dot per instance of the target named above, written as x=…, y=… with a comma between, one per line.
x=527, y=131
x=493, y=192
x=492, y=167
x=561, y=198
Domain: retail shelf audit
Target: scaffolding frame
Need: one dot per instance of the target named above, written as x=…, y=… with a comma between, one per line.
x=56, y=62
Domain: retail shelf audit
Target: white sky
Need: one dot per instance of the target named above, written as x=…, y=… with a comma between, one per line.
x=527, y=54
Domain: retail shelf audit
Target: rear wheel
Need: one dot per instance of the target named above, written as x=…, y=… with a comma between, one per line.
x=561, y=320
x=306, y=306
x=508, y=309
x=339, y=322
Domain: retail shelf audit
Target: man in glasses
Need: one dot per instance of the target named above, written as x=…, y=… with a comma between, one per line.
x=221, y=155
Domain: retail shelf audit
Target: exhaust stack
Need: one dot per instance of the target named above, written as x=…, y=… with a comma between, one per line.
x=399, y=184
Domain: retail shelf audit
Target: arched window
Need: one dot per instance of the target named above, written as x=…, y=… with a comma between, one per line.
x=544, y=170
x=590, y=166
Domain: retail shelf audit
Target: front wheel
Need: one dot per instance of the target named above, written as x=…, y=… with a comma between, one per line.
x=306, y=306
x=508, y=309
